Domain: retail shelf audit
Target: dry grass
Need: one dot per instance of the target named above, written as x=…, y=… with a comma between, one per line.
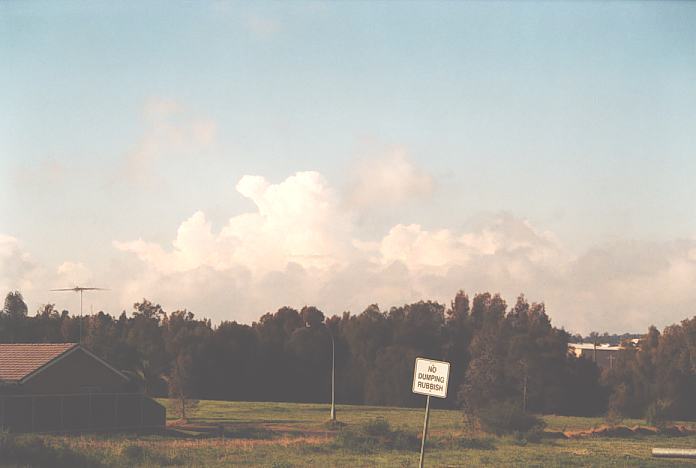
x=280, y=434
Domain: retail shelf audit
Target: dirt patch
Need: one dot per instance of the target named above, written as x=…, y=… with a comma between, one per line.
x=644, y=430
x=627, y=432
x=554, y=435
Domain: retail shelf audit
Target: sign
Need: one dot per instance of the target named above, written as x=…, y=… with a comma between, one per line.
x=430, y=377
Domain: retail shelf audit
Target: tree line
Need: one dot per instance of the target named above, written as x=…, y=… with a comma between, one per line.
x=498, y=353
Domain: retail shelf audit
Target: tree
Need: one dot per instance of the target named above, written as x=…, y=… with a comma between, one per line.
x=12, y=318
x=15, y=307
x=145, y=336
x=181, y=380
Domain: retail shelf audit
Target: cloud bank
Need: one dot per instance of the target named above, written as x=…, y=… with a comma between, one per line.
x=302, y=246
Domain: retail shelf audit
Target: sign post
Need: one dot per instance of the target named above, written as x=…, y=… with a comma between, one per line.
x=430, y=379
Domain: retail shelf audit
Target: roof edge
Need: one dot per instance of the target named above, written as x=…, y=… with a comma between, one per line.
x=66, y=353
x=48, y=364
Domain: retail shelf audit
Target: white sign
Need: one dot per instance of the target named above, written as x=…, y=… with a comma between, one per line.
x=430, y=377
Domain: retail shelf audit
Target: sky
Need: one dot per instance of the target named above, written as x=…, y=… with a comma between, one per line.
x=231, y=158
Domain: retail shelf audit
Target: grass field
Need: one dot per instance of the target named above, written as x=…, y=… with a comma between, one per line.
x=287, y=435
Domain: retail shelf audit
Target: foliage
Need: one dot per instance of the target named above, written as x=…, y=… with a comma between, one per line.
x=30, y=450
x=133, y=453
x=508, y=418
x=657, y=414
x=466, y=442
x=375, y=434
x=294, y=442
x=657, y=379
x=497, y=353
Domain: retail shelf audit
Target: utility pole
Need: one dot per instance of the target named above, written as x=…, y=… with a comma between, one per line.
x=333, y=379
x=333, y=376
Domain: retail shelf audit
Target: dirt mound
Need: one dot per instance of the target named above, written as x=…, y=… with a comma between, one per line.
x=554, y=435
x=644, y=430
x=677, y=431
x=625, y=431
x=613, y=431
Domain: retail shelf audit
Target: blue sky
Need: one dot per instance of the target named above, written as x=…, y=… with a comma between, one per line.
x=573, y=120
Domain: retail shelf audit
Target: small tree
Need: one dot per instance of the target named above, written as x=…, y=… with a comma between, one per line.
x=181, y=381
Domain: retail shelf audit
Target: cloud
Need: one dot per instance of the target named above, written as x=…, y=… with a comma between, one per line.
x=502, y=236
x=74, y=274
x=170, y=131
x=263, y=28
x=45, y=172
x=17, y=268
x=298, y=246
x=296, y=221
x=387, y=179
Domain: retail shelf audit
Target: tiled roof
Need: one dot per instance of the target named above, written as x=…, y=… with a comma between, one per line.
x=19, y=360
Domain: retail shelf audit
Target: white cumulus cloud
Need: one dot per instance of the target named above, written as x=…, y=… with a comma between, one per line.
x=296, y=221
x=17, y=269
x=170, y=130
x=74, y=273
x=298, y=246
x=388, y=178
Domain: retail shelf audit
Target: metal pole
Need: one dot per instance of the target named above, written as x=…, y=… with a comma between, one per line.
x=333, y=379
x=594, y=355
x=80, y=341
x=425, y=431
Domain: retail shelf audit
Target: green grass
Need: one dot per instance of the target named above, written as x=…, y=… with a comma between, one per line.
x=286, y=434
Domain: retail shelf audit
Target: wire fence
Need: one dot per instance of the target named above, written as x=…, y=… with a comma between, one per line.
x=93, y=412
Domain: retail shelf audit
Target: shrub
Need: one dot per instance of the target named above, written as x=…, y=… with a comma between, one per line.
x=657, y=414
x=613, y=417
x=31, y=450
x=509, y=418
x=377, y=427
x=373, y=435
x=333, y=424
x=351, y=439
x=466, y=442
x=280, y=464
x=134, y=453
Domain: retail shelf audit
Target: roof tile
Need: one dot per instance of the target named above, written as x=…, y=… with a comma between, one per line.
x=19, y=360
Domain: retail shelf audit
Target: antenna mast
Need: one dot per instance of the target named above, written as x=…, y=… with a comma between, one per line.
x=80, y=290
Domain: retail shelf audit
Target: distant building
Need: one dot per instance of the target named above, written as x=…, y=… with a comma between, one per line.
x=603, y=355
x=64, y=387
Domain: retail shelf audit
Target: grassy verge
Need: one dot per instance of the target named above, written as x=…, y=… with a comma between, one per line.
x=286, y=435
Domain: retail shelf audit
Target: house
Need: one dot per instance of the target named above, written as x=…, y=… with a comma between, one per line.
x=603, y=355
x=50, y=387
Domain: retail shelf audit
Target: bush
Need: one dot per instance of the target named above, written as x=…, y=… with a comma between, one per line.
x=31, y=450
x=466, y=442
x=377, y=427
x=613, y=417
x=133, y=453
x=373, y=435
x=508, y=418
x=533, y=435
x=333, y=424
x=657, y=414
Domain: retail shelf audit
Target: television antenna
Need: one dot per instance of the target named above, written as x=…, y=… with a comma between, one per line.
x=80, y=290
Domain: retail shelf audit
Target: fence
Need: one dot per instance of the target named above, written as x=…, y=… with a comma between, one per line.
x=80, y=412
